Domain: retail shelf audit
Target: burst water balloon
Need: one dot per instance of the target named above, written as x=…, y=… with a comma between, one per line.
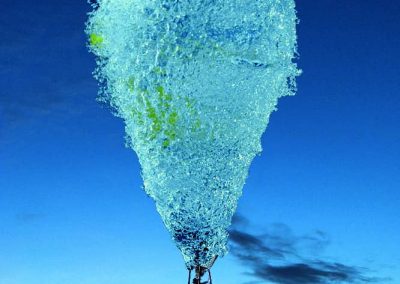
x=195, y=82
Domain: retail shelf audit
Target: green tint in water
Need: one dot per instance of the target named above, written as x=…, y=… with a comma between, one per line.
x=95, y=40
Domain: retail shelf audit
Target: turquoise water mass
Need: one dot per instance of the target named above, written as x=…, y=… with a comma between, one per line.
x=195, y=82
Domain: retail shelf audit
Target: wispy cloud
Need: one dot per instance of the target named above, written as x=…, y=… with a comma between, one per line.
x=278, y=256
x=28, y=217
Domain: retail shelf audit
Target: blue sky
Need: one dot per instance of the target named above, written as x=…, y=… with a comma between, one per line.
x=71, y=205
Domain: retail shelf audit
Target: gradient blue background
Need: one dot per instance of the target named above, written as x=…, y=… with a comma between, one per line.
x=71, y=206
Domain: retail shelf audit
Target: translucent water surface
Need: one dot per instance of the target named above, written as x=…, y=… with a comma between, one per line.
x=195, y=82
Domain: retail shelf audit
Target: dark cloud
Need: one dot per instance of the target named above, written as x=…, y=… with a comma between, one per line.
x=321, y=272
x=278, y=256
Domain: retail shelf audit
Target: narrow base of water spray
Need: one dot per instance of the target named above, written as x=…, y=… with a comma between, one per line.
x=200, y=272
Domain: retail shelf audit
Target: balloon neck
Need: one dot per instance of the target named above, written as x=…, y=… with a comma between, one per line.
x=201, y=271
x=200, y=274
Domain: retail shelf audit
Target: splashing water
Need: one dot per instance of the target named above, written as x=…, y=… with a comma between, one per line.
x=195, y=82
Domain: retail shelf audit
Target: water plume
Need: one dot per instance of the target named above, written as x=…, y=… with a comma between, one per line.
x=195, y=82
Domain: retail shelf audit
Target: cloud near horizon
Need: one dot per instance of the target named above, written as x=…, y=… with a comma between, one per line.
x=278, y=256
